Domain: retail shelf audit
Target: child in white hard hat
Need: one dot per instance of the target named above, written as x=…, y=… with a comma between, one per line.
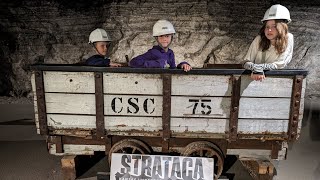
x=160, y=56
x=100, y=41
x=273, y=47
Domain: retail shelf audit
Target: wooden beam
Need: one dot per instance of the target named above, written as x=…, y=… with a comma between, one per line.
x=74, y=166
x=259, y=169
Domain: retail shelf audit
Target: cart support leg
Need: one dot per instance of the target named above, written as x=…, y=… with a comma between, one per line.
x=259, y=169
x=74, y=166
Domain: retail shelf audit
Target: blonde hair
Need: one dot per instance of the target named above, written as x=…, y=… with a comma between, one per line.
x=281, y=40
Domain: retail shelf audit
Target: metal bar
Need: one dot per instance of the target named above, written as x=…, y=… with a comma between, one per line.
x=234, y=108
x=41, y=103
x=220, y=71
x=175, y=142
x=99, y=105
x=166, y=111
x=295, y=107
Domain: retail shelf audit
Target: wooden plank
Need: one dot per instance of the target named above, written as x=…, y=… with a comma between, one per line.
x=270, y=87
x=146, y=124
x=70, y=103
x=198, y=125
x=250, y=153
x=258, y=169
x=133, y=105
x=208, y=107
x=201, y=85
x=123, y=123
x=270, y=108
x=262, y=126
x=68, y=167
x=72, y=149
x=72, y=82
x=129, y=83
x=35, y=106
x=59, y=121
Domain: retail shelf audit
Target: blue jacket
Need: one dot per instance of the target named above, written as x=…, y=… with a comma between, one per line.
x=98, y=60
x=155, y=58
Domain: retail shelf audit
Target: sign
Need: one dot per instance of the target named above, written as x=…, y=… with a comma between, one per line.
x=157, y=167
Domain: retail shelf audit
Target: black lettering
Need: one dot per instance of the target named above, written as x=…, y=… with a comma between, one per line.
x=134, y=105
x=176, y=169
x=145, y=105
x=135, y=159
x=206, y=108
x=156, y=170
x=113, y=104
x=124, y=160
x=187, y=169
x=146, y=166
x=198, y=169
x=195, y=105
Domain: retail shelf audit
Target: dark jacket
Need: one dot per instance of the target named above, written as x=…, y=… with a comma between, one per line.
x=155, y=58
x=98, y=60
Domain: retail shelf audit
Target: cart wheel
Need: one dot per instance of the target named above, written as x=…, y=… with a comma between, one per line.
x=206, y=149
x=129, y=146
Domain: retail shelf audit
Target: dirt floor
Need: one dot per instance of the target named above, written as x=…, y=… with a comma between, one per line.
x=23, y=153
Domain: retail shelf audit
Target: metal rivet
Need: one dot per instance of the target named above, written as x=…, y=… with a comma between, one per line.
x=298, y=80
x=97, y=75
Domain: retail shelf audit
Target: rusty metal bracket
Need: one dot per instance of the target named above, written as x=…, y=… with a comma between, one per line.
x=166, y=111
x=275, y=148
x=59, y=144
x=295, y=107
x=41, y=103
x=100, y=128
x=234, y=108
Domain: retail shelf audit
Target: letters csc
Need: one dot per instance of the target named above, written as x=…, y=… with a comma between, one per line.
x=132, y=105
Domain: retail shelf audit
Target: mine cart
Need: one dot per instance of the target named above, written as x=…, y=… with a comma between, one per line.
x=211, y=112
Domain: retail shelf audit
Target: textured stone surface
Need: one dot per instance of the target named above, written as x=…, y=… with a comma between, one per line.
x=55, y=31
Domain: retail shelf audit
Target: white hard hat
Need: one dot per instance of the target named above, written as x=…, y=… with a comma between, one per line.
x=99, y=35
x=163, y=27
x=277, y=11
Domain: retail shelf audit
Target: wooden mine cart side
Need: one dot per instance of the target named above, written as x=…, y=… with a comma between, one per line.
x=205, y=112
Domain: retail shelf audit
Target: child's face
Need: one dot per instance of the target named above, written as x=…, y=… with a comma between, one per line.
x=165, y=40
x=270, y=30
x=101, y=47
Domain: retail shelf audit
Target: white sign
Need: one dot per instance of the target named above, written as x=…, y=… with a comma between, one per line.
x=156, y=167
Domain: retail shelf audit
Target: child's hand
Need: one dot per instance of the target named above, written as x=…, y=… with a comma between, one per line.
x=258, y=77
x=115, y=64
x=186, y=67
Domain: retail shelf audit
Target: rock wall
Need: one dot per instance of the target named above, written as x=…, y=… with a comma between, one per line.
x=54, y=31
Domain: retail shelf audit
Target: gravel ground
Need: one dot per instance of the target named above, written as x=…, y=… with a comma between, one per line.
x=15, y=100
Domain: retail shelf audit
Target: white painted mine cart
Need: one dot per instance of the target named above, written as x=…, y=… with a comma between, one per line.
x=206, y=112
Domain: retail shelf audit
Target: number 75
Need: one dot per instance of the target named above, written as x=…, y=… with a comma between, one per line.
x=205, y=108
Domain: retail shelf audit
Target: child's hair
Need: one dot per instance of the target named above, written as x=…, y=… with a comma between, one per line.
x=281, y=39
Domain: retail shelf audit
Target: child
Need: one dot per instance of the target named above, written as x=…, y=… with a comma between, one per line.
x=100, y=41
x=160, y=56
x=273, y=47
